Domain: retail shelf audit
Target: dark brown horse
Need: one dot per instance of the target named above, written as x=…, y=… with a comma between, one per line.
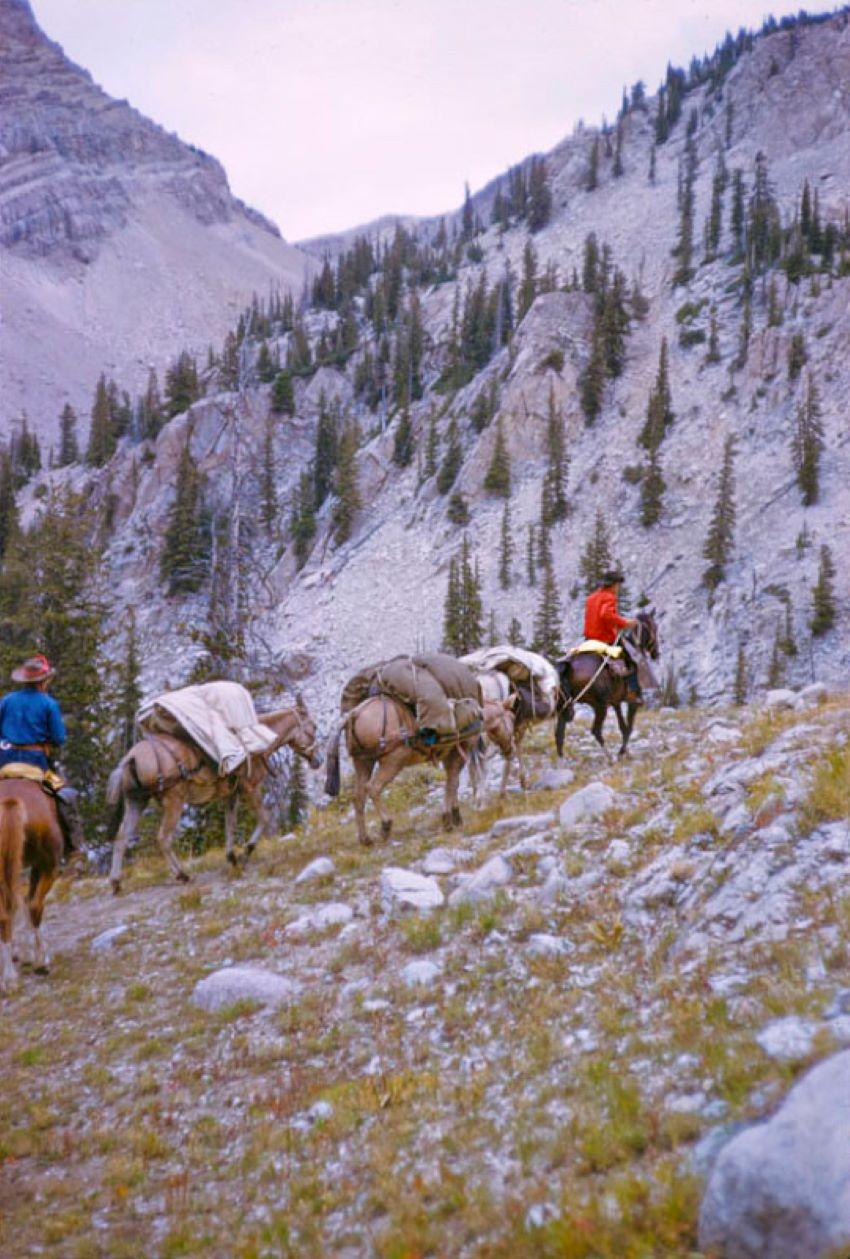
x=173, y=772
x=29, y=835
x=588, y=678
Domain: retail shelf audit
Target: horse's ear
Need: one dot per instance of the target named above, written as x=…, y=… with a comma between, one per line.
x=299, y=702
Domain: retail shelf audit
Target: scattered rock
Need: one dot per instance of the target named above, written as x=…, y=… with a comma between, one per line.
x=707, y=1150
x=484, y=883
x=617, y=852
x=719, y=732
x=555, y=886
x=523, y=821
x=554, y=779
x=103, y=943
x=781, y=1189
x=420, y=971
x=586, y=804
x=320, y=1111
x=788, y=1039
x=321, y=868
x=440, y=861
x=780, y=698
x=812, y=695
x=243, y=983
x=405, y=889
x=319, y=919
x=542, y=945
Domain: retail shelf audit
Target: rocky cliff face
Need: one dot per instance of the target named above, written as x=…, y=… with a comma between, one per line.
x=120, y=243
x=381, y=592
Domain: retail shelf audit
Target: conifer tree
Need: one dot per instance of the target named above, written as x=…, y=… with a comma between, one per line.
x=683, y=250
x=8, y=502
x=714, y=225
x=265, y=364
x=774, y=310
x=326, y=452
x=590, y=264
x=651, y=490
x=452, y=613
x=617, y=168
x=721, y=532
x=744, y=332
x=515, y=634
x=302, y=526
x=185, y=551
x=797, y=355
x=553, y=504
x=452, y=459
x=591, y=382
x=151, y=415
x=539, y=195
x=101, y=443
x=472, y=609
x=346, y=485
x=182, y=386
x=69, y=450
x=283, y=394
x=596, y=557
x=823, y=595
x=528, y=282
x=531, y=566
x=129, y=686
x=652, y=164
x=458, y=509
x=403, y=445
x=741, y=684
x=713, y=355
x=431, y=446
x=268, y=492
x=659, y=410
x=591, y=179
x=506, y=548
x=776, y=667
x=467, y=215
x=547, y=620
x=807, y=444
x=736, y=221
x=498, y=478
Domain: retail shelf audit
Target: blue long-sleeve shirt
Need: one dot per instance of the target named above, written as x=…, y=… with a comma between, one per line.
x=30, y=716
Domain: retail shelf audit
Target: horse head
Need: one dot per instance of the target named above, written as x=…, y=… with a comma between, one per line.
x=646, y=635
x=303, y=739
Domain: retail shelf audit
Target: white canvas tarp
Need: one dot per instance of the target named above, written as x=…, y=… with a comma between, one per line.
x=520, y=665
x=219, y=716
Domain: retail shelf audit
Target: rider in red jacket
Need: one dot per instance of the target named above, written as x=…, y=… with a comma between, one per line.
x=603, y=622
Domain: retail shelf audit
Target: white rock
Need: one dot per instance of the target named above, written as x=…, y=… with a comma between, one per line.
x=812, y=695
x=523, y=821
x=719, y=732
x=484, y=883
x=440, y=861
x=103, y=943
x=531, y=846
x=554, y=779
x=405, y=889
x=319, y=919
x=420, y=971
x=243, y=983
x=320, y=1110
x=543, y=945
x=789, y=1038
x=618, y=851
x=839, y=1027
x=321, y=868
x=780, y=698
x=586, y=804
x=737, y=821
x=553, y=889
x=781, y=1189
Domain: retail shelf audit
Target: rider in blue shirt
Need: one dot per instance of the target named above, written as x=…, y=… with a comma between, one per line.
x=30, y=725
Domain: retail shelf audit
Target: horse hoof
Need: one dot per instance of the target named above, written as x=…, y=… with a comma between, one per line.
x=116, y=887
x=386, y=829
x=42, y=970
x=457, y=820
x=183, y=877
x=447, y=821
x=367, y=841
x=232, y=858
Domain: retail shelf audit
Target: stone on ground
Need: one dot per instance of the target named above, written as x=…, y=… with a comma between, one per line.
x=543, y=945
x=420, y=971
x=440, y=861
x=584, y=805
x=103, y=943
x=225, y=987
x=780, y=698
x=781, y=1190
x=405, y=889
x=319, y=919
x=484, y=883
x=321, y=868
x=554, y=779
x=789, y=1038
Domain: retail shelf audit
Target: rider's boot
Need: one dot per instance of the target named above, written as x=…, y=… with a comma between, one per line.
x=68, y=809
x=633, y=691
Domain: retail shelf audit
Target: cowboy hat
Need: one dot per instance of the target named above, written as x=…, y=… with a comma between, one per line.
x=612, y=577
x=36, y=669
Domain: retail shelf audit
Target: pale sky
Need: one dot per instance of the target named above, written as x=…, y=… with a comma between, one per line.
x=328, y=113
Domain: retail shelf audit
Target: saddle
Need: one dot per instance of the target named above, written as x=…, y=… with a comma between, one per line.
x=47, y=779
x=597, y=648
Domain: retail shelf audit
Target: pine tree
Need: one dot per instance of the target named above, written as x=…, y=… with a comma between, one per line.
x=297, y=800
x=101, y=443
x=590, y=264
x=346, y=485
x=547, y=620
x=506, y=548
x=472, y=609
x=129, y=686
x=302, y=526
x=659, y=410
x=597, y=555
x=185, y=550
x=268, y=492
x=776, y=668
x=591, y=382
x=431, y=446
x=531, y=565
x=714, y=225
x=553, y=504
x=452, y=614
x=266, y=370
x=458, y=509
x=326, y=452
x=774, y=310
x=528, y=282
x=653, y=152
x=492, y=630
x=467, y=215
x=151, y=413
x=515, y=634
x=9, y=522
x=713, y=355
x=591, y=178
x=182, y=387
x=452, y=459
x=498, y=478
x=797, y=355
x=736, y=220
x=283, y=394
x=823, y=595
x=69, y=450
x=721, y=532
x=651, y=490
x=669, y=696
x=807, y=444
x=740, y=686
x=683, y=250
x=617, y=168
x=744, y=332
x=403, y=444
x=539, y=195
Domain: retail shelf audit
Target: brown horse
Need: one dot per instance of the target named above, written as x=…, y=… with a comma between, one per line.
x=29, y=835
x=588, y=678
x=379, y=732
x=175, y=773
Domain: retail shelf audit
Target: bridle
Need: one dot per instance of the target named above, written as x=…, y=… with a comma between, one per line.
x=300, y=731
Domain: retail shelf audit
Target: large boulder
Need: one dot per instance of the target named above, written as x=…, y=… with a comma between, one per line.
x=484, y=883
x=781, y=1190
x=585, y=805
x=226, y=987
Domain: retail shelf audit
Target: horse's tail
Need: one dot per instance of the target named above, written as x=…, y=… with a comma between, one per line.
x=565, y=707
x=11, y=856
x=115, y=798
x=332, y=775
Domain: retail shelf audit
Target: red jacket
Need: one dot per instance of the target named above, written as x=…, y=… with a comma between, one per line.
x=601, y=618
